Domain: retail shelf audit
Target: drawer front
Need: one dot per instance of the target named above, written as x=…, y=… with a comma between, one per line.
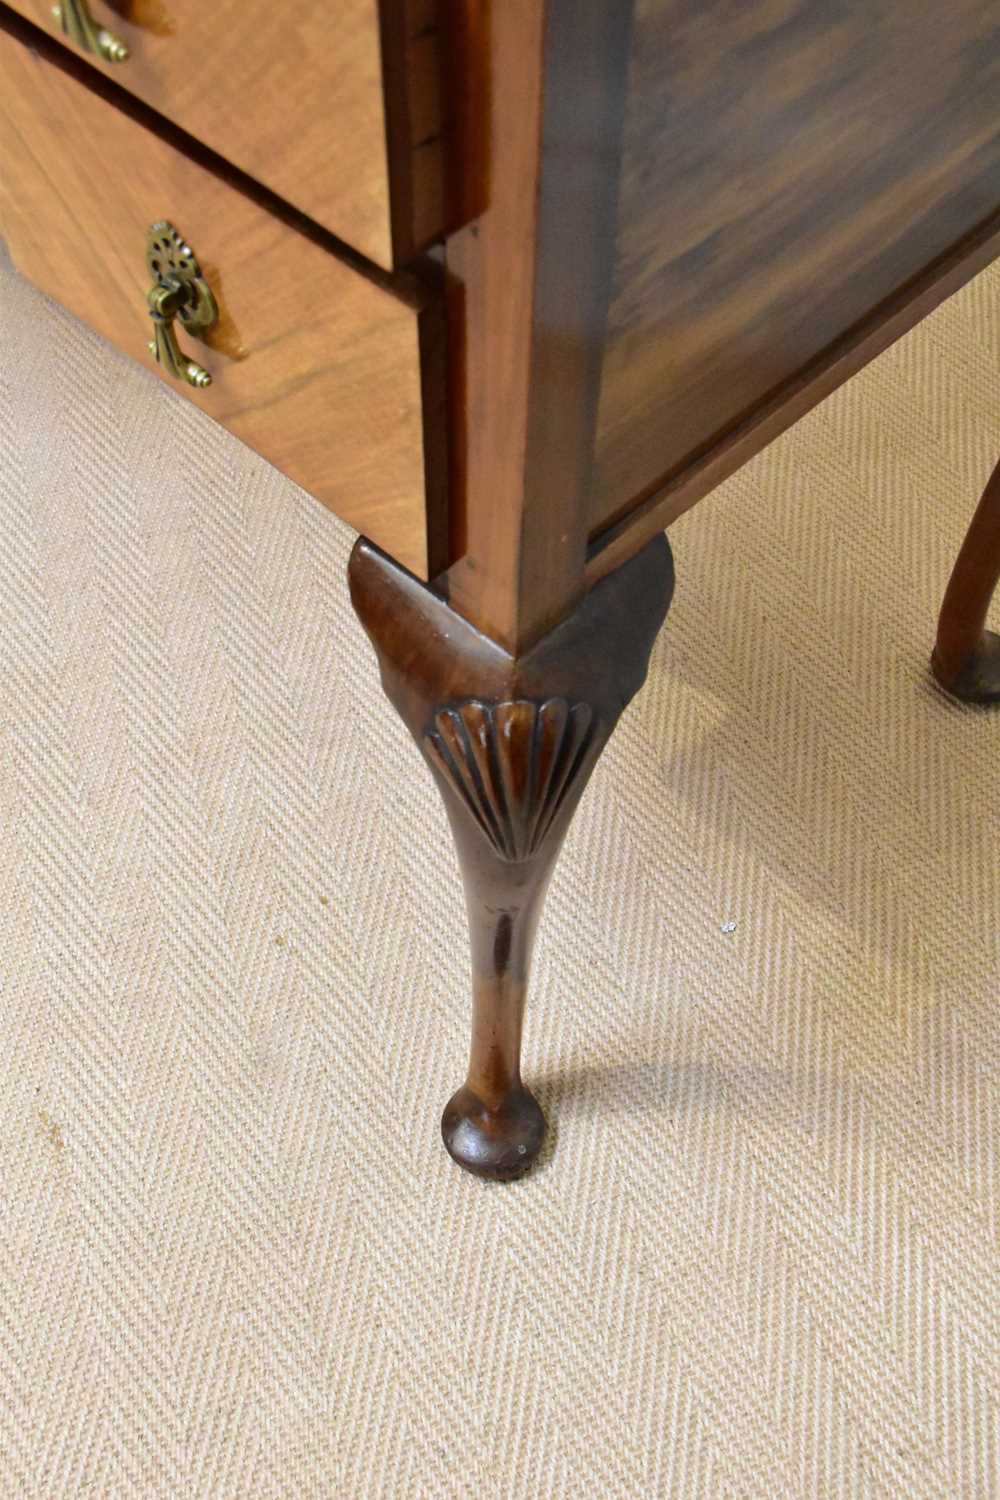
x=313, y=364
x=294, y=92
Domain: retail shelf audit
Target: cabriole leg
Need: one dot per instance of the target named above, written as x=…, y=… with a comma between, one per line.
x=966, y=657
x=511, y=742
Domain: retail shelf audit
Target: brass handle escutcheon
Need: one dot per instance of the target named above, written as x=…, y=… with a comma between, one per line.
x=179, y=291
x=79, y=25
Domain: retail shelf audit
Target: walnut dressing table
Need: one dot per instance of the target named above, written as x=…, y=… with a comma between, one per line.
x=509, y=285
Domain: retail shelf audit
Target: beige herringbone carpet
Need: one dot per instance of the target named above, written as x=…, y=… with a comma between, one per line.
x=761, y=1259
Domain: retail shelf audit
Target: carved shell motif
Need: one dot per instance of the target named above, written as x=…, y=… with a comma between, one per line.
x=512, y=764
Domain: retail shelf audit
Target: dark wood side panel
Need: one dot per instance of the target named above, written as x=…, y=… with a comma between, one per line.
x=788, y=167
x=837, y=363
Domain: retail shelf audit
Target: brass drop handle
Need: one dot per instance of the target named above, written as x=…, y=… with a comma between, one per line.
x=179, y=291
x=79, y=25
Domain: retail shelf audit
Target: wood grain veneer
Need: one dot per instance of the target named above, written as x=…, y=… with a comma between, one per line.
x=315, y=365
x=667, y=500
x=291, y=92
x=787, y=167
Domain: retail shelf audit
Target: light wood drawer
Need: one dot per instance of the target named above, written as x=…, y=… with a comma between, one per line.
x=314, y=364
x=336, y=105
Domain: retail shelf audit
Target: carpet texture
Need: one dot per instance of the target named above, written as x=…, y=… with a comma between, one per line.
x=760, y=1257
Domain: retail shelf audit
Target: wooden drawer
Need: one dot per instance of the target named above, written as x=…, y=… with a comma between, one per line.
x=335, y=107
x=314, y=364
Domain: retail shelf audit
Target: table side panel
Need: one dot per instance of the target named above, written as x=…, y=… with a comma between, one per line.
x=787, y=167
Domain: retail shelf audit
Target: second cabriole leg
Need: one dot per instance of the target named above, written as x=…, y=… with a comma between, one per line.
x=511, y=742
x=966, y=657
